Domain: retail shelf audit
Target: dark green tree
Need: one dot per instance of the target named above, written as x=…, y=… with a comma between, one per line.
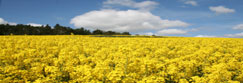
x=82, y=31
x=126, y=33
x=98, y=32
x=20, y=29
x=61, y=30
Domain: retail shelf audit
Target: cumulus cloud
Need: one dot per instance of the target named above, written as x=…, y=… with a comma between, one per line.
x=34, y=24
x=147, y=33
x=130, y=20
x=191, y=2
x=238, y=27
x=2, y=21
x=236, y=35
x=221, y=9
x=205, y=36
x=12, y=23
x=144, y=5
x=171, y=31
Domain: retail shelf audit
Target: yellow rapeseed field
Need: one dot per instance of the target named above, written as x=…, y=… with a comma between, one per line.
x=81, y=59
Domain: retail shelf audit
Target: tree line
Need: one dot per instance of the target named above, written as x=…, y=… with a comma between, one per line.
x=21, y=29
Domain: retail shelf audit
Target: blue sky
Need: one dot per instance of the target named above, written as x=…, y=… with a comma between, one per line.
x=190, y=18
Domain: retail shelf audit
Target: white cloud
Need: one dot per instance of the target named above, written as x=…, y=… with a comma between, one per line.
x=12, y=23
x=191, y=2
x=171, y=31
x=130, y=20
x=238, y=27
x=205, y=36
x=221, y=9
x=145, y=5
x=149, y=33
x=2, y=21
x=34, y=24
x=194, y=29
x=145, y=33
x=237, y=35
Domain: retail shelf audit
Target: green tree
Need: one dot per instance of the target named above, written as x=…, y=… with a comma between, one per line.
x=98, y=32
